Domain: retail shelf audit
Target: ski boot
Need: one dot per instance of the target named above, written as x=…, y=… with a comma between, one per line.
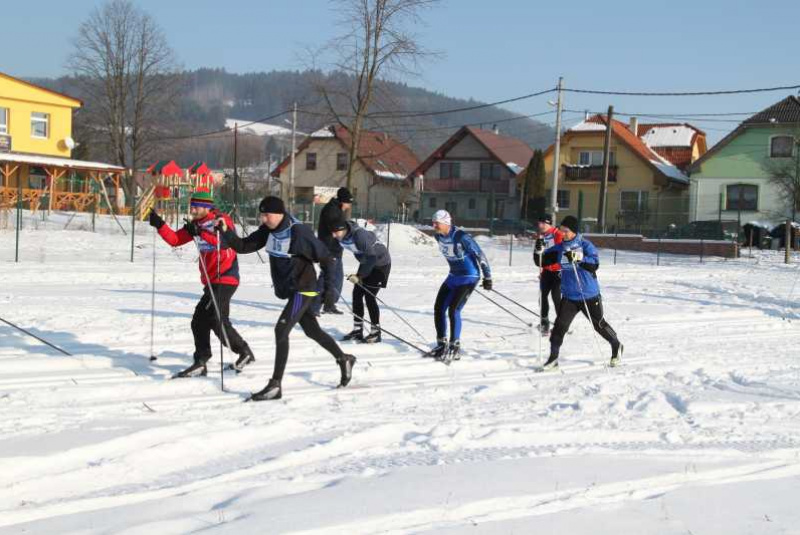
x=374, y=335
x=346, y=363
x=453, y=352
x=544, y=327
x=244, y=359
x=438, y=351
x=270, y=392
x=551, y=364
x=356, y=335
x=331, y=309
x=616, y=356
x=198, y=369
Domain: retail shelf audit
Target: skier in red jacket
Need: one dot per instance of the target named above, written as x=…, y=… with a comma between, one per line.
x=224, y=285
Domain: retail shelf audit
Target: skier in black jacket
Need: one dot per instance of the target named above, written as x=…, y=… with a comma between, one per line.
x=374, y=265
x=335, y=210
x=292, y=250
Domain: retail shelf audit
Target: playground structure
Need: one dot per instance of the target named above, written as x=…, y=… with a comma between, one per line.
x=171, y=187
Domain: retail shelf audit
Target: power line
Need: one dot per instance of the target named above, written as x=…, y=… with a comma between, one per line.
x=681, y=93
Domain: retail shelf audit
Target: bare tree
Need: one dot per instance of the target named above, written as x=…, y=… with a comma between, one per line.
x=377, y=43
x=128, y=76
x=785, y=175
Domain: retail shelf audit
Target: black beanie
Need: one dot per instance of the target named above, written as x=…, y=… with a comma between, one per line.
x=571, y=222
x=339, y=224
x=546, y=219
x=272, y=205
x=344, y=195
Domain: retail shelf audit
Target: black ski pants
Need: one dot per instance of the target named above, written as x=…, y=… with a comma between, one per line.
x=567, y=312
x=298, y=310
x=550, y=285
x=205, y=320
x=366, y=292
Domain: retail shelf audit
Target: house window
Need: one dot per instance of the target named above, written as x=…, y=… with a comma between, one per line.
x=563, y=198
x=472, y=204
x=37, y=178
x=451, y=207
x=781, y=146
x=341, y=161
x=432, y=202
x=3, y=120
x=633, y=201
x=311, y=161
x=449, y=169
x=40, y=124
x=490, y=171
x=595, y=158
x=741, y=197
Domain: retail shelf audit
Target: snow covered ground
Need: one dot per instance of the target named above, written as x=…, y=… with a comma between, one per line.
x=698, y=432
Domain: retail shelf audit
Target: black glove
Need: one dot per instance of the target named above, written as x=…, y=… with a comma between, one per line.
x=539, y=247
x=192, y=228
x=574, y=256
x=155, y=220
x=487, y=285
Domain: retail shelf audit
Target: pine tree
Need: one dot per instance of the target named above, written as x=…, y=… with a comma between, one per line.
x=534, y=186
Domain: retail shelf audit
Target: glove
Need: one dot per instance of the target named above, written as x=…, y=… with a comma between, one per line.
x=355, y=279
x=539, y=247
x=487, y=285
x=574, y=256
x=191, y=228
x=221, y=226
x=155, y=220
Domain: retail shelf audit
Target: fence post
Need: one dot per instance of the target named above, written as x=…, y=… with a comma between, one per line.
x=702, y=245
x=510, y=248
x=94, y=210
x=19, y=215
x=658, y=251
x=788, y=241
x=388, y=233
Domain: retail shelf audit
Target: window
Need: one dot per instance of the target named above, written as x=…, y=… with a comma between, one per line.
x=3, y=120
x=781, y=146
x=633, y=201
x=311, y=161
x=40, y=124
x=595, y=158
x=563, y=198
x=449, y=169
x=432, y=202
x=37, y=178
x=451, y=207
x=472, y=204
x=341, y=161
x=490, y=171
x=741, y=197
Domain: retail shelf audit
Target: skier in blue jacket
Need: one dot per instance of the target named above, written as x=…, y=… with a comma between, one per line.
x=466, y=261
x=580, y=291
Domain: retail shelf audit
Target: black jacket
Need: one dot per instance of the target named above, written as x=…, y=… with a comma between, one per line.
x=369, y=252
x=292, y=250
x=330, y=214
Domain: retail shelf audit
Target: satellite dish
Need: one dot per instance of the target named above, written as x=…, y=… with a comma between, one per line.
x=69, y=143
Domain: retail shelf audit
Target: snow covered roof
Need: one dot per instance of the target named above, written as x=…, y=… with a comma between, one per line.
x=588, y=126
x=259, y=129
x=669, y=136
x=35, y=159
x=325, y=131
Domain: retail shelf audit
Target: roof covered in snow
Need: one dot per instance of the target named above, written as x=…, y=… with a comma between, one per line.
x=35, y=159
x=668, y=135
x=259, y=129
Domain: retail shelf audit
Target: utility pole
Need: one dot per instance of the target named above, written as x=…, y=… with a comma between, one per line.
x=557, y=153
x=294, y=149
x=235, y=170
x=133, y=211
x=601, y=210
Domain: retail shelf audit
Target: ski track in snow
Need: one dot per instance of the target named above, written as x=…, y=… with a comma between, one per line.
x=708, y=397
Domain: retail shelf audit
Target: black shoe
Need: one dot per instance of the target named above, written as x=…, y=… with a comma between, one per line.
x=244, y=359
x=551, y=364
x=616, y=356
x=198, y=369
x=373, y=337
x=544, y=327
x=270, y=392
x=355, y=335
x=331, y=310
x=453, y=352
x=346, y=363
x=438, y=351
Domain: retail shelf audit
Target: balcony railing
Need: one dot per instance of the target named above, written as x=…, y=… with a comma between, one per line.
x=588, y=173
x=468, y=185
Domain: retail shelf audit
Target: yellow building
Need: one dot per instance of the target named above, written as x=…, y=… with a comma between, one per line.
x=646, y=192
x=35, y=148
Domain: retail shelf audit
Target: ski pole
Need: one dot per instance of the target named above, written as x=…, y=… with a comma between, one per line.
x=42, y=340
x=541, y=334
x=526, y=309
x=501, y=307
x=381, y=301
x=586, y=308
x=406, y=342
x=244, y=228
x=153, y=302
x=213, y=301
x=221, y=345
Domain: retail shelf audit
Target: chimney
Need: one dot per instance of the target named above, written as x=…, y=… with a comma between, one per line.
x=495, y=129
x=635, y=126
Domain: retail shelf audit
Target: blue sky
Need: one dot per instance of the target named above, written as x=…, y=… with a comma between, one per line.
x=490, y=50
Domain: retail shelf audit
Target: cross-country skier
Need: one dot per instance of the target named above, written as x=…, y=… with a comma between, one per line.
x=204, y=320
x=545, y=256
x=466, y=261
x=580, y=292
x=334, y=211
x=292, y=250
x=374, y=265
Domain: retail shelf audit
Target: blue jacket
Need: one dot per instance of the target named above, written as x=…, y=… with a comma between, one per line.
x=585, y=286
x=463, y=254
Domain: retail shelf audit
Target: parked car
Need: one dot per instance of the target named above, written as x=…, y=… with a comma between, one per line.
x=705, y=230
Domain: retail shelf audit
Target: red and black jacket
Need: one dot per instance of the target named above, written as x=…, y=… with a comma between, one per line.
x=550, y=260
x=207, y=241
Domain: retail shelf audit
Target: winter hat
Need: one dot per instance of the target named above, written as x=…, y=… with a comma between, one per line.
x=442, y=216
x=344, y=195
x=272, y=205
x=339, y=224
x=571, y=222
x=546, y=219
x=202, y=198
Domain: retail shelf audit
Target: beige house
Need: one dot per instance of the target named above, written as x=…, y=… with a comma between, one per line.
x=381, y=186
x=645, y=190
